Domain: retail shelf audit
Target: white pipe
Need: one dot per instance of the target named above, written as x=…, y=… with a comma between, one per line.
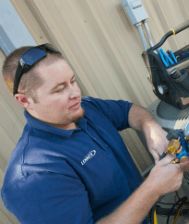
x=148, y=33
x=142, y=36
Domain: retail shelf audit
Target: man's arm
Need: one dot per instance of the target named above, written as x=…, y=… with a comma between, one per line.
x=142, y=120
x=164, y=178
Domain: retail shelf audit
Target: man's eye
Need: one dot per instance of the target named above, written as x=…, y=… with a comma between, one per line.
x=58, y=90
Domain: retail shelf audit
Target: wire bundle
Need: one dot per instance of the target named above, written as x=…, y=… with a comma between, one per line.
x=176, y=210
x=178, y=206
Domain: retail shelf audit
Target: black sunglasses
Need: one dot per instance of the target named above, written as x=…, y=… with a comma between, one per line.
x=29, y=58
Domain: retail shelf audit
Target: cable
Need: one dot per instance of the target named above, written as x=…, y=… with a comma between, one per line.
x=173, y=207
x=179, y=210
x=162, y=211
x=169, y=203
x=177, y=215
x=151, y=215
x=177, y=194
x=155, y=217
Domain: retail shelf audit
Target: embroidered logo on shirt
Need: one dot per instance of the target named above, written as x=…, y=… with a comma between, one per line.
x=89, y=156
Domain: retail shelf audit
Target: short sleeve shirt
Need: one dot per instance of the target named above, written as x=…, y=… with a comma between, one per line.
x=58, y=176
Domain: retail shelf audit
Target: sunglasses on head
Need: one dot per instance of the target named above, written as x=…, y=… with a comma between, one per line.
x=30, y=58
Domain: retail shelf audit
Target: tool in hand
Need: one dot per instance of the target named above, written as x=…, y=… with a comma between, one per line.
x=178, y=146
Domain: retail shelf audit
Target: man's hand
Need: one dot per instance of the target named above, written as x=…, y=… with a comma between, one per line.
x=166, y=177
x=155, y=136
x=156, y=139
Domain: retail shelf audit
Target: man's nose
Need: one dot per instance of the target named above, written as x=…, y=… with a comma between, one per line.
x=74, y=92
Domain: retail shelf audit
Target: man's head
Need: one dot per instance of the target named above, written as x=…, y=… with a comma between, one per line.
x=44, y=84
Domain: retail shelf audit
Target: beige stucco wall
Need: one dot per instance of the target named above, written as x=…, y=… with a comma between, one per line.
x=11, y=123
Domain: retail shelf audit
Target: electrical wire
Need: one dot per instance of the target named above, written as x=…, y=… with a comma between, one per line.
x=175, y=210
x=177, y=214
x=177, y=194
x=155, y=217
x=150, y=216
x=174, y=206
x=169, y=203
x=162, y=211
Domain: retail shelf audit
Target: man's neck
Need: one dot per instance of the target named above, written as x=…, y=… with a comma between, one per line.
x=70, y=126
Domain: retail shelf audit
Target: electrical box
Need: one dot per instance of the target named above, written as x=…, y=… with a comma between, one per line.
x=134, y=10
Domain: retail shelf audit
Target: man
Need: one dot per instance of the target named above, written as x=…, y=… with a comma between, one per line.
x=70, y=165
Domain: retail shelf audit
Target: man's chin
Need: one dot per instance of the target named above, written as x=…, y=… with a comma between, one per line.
x=78, y=115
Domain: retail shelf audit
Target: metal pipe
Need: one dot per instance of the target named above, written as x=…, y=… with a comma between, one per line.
x=142, y=36
x=148, y=33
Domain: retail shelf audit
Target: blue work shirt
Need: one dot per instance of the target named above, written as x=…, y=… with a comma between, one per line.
x=77, y=176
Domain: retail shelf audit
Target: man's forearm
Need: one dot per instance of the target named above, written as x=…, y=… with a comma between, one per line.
x=135, y=208
x=139, y=117
x=155, y=136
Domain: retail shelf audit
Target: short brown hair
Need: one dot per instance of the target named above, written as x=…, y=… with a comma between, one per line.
x=30, y=80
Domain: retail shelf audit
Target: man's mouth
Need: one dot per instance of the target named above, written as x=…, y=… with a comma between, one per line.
x=74, y=106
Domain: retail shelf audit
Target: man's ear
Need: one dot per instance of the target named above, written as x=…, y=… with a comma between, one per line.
x=23, y=100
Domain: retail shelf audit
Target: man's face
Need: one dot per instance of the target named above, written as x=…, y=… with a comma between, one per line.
x=59, y=97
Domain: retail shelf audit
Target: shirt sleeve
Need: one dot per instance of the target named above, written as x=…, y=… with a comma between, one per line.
x=116, y=111
x=48, y=198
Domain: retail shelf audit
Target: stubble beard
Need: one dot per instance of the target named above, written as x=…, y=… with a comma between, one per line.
x=78, y=116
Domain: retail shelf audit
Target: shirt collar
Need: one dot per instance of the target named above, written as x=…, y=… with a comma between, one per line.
x=41, y=125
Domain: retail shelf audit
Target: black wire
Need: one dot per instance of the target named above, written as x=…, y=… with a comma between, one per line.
x=151, y=217
x=168, y=203
x=169, y=211
x=180, y=206
x=177, y=194
x=181, y=200
x=164, y=211
x=152, y=214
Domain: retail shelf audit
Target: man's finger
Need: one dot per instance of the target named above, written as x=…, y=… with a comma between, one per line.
x=167, y=159
x=155, y=156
